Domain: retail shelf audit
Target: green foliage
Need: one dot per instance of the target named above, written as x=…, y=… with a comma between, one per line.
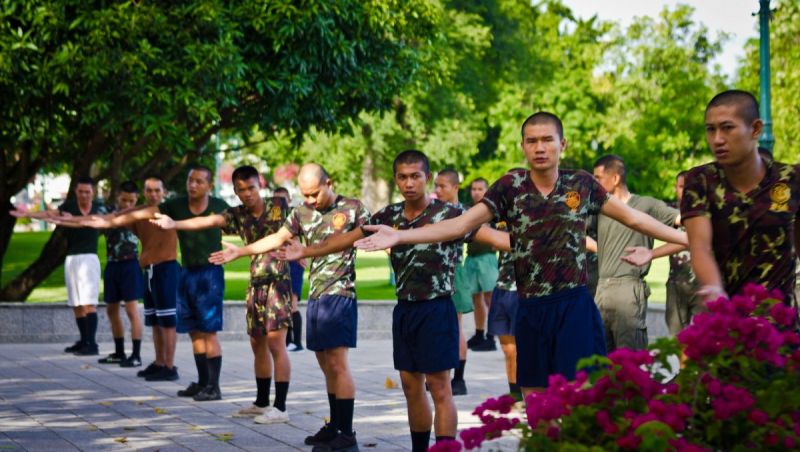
x=785, y=83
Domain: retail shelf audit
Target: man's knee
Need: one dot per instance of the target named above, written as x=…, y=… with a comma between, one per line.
x=439, y=384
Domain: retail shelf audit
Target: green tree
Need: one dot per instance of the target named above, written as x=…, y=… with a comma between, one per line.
x=127, y=88
x=785, y=83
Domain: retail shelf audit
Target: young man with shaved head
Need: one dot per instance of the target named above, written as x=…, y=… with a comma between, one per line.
x=741, y=211
x=546, y=210
x=332, y=314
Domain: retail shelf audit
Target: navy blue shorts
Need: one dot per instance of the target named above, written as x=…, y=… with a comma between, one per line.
x=554, y=332
x=122, y=281
x=200, y=293
x=161, y=294
x=503, y=312
x=331, y=321
x=425, y=335
x=296, y=273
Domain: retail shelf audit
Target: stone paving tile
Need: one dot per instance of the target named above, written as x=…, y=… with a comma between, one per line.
x=53, y=401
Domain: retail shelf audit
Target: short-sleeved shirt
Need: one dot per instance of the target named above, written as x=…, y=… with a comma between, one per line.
x=680, y=264
x=81, y=240
x=121, y=243
x=334, y=274
x=238, y=220
x=752, y=233
x=423, y=271
x=506, y=279
x=548, y=233
x=196, y=246
x=613, y=237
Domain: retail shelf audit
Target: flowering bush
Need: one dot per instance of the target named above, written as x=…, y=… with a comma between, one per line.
x=737, y=389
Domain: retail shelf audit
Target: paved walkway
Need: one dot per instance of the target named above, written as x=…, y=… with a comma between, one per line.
x=53, y=401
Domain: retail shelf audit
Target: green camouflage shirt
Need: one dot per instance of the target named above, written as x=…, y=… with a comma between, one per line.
x=506, y=279
x=424, y=271
x=335, y=273
x=238, y=220
x=121, y=243
x=680, y=265
x=548, y=233
x=752, y=233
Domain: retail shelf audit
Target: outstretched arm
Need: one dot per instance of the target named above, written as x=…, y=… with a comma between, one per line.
x=591, y=244
x=641, y=222
x=117, y=221
x=261, y=246
x=41, y=215
x=641, y=255
x=704, y=264
x=192, y=224
x=332, y=244
x=499, y=240
x=445, y=231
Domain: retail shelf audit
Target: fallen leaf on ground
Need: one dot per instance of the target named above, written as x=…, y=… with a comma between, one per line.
x=160, y=410
x=129, y=429
x=370, y=444
x=105, y=403
x=122, y=440
x=391, y=384
x=224, y=437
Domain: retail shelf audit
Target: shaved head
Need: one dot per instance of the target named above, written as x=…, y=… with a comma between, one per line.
x=313, y=173
x=451, y=175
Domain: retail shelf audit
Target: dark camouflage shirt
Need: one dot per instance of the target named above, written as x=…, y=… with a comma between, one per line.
x=753, y=233
x=335, y=273
x=424, y=271
x=548, y=233
x=680, y=265
x=506, y=279
x=238, y=220
x=121, y=243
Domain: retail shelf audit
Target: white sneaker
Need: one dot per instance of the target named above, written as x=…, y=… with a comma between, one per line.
x=251, y=411
x=292, y=347
x=272, y=416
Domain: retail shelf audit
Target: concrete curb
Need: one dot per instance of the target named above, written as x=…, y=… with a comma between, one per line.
x=54, y=322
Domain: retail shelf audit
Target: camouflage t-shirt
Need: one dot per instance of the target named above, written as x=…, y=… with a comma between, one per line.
x=548, y=233
x=506, y=279
x=424, y=271
x=121, y=243
x=680, y=264
x=238, y=220
x=752, y=233
x=335, y=273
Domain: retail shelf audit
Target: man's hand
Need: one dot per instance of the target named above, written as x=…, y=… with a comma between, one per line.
x=711, y=293
x=229, y=252
x=291, y=251
x=163, y=221
x=383, y=237
x=95, y=221
x=637, y=255
x=18, y=213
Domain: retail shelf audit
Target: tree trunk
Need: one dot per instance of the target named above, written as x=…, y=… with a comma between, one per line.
x=52, y=256
x=7, y=223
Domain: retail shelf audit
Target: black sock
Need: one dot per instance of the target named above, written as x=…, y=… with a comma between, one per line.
x=281, y=389
x=459, y=373
x=201, y=361
x=332, y=405
x=479, y=333
x=513, y=388
x=297, y=328
x=137, y=348
x=262, y=394
x=443, y=438
x=420, y=440
x=119, y=346
x=81, y=321
x=344, y=415
x=214, y=367
x=91, y=328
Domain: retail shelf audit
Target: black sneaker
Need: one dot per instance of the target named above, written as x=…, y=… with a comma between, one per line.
x=474, y=340
x=341, y=442
x=164, y=374
x=88, y=350
x=488, y=345
x=192, y=390
x=459, y=387
x=131, y=361
x=113, y=358
x=74, y=347
x=149, y=370
x=208, y=393
x=325, y=434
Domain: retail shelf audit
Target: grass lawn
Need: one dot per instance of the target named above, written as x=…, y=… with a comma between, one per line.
x=372, y=270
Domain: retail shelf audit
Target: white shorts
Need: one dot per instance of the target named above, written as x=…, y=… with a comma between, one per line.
x=82, y=275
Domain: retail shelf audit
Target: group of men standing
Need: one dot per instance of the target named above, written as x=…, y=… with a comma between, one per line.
x=739, y=213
